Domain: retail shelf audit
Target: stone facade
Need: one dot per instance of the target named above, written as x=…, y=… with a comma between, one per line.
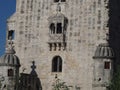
x=35, y=30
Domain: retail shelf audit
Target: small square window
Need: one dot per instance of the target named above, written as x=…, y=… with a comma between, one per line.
x=11, y=34
x=10, y=72
x=107, y=65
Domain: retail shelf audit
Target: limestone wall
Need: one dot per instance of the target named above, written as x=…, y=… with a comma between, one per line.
x=86, y=27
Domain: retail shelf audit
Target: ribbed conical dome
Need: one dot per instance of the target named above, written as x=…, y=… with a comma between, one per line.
x=104, y=51
x=9, y=58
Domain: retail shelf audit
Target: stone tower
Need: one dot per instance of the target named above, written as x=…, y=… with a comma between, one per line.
x=61, y=36
x=103, y=66
x=9, y=69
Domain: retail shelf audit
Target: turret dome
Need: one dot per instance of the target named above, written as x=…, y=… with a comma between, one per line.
x=104, y=51
x=9, y=58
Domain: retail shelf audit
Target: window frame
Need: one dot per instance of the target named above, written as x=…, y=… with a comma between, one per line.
x=57, y=64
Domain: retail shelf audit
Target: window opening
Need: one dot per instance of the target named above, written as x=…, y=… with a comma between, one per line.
x=59, y=28
x=57, y=64
x=63, y=0
x=52, y=28
x=10, y=72
x=56, y=0
x=107, y=65
x=11, y=34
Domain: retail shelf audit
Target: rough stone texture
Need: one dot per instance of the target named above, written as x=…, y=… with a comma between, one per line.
x=87, y=27
x=7, y=81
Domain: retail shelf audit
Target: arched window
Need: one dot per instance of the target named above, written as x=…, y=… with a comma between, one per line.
x=57, y=64
x=59, y=28
x=10, y=72
x=63, y=0
x=52, y=28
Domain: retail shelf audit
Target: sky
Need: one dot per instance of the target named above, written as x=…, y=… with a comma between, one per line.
x=7, y=8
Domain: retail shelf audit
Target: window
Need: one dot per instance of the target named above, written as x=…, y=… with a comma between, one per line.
x=52, y=28
x=107, y=65
x=11, y=34
x=10, y=72
x=56, y=0
x=63, y=0
x=59, y=0
x=57, y=64
x=55, y=46
x=59, y=28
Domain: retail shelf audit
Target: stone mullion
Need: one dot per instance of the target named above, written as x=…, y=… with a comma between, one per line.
x=55, y=27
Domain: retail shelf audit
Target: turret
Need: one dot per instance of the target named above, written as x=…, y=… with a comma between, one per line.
x=103, y=66
x=9, y=68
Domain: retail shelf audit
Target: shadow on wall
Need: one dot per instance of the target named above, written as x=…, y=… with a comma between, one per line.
x=114, y=24
x=29, y=81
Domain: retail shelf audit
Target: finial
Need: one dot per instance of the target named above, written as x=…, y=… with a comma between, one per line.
x=33, y=65
x=58, y=8
x=33, y=72
x=10, y=48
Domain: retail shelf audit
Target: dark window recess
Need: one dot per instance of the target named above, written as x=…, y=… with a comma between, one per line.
x=52, y=28
x=59, y=0
x=10, y=72
x=56, y=0
x=107, y=65
x=11, y=34
x=57, y=64
x=50, y=45
x=59, y=28
x=63, y=0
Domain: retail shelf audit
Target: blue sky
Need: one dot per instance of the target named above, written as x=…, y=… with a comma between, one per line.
x=7, y=8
